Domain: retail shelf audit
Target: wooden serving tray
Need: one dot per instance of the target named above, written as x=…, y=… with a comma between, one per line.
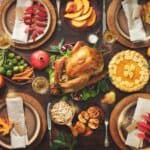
x=7, y=15
x=115, y=115
x=117, y=23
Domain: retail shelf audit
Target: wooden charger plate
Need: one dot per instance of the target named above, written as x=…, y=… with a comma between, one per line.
x=35, y=121
x=117, y=23
x=7, y=15
x=115, y=115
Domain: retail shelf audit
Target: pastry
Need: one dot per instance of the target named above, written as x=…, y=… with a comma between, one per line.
x=129, y=71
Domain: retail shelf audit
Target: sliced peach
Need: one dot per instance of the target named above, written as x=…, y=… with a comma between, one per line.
x=85, y=16
x=71, y=7
x=78, y=24
x=79, y=4
x=86, y=6
x=73, y=15
x=91, y=20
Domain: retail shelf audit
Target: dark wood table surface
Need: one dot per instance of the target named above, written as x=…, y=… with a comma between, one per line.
x=94, y=142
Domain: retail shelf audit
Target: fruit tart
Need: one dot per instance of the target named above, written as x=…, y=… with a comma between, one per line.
x=129, y=71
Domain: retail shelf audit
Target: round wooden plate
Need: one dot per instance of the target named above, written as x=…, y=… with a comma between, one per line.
x=9, y=10
x=32, y=122
x=7, y=15
x=115, y=116
x=35, y=118
x=117, y=23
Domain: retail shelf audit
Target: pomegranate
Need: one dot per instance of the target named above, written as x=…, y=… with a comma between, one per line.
x=39, y=59
x=2, y=81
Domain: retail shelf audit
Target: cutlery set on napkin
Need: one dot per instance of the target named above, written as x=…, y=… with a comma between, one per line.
x=141, y=116
x=15, y=110
x=135, y=24
x=19, y=27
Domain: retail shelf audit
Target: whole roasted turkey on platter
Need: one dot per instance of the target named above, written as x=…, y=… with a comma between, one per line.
x=83, y=68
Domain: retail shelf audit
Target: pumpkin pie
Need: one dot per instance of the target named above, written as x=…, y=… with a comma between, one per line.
x=129, y=71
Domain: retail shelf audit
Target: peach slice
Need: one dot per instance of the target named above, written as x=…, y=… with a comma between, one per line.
x=71, y=7
x=79, y=4
x=78, y=24
x=73, y=15
x=86, y=6
x=85, y=16
x=91, y=20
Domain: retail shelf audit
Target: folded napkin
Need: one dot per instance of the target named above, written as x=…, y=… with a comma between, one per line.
x=143, y=107
x=135, y=24
x=19, y=27
x=19, y=137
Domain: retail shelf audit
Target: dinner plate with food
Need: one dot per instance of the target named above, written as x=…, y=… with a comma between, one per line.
x=19, y=127
x=130, y=22
x=28, y=22
x=129, y=122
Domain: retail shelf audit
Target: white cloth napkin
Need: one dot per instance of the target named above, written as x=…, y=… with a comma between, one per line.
x=143, y=107
x=19, y=137
x=19, y=27
x=135, y=25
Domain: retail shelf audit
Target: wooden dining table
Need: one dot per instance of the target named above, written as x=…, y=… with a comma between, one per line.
x=96, y=140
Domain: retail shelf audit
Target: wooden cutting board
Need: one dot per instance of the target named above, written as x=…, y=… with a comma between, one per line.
x=7, y=22
x=117, y=23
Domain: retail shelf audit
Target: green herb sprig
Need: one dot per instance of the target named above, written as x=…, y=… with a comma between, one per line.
x=64, y=141
x=101, y=86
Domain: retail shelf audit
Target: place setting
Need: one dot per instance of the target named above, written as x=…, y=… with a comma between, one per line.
x=127, y=19
x=74, y=75
x=29, y=23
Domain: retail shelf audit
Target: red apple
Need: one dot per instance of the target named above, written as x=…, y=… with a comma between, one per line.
x=39, y=59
